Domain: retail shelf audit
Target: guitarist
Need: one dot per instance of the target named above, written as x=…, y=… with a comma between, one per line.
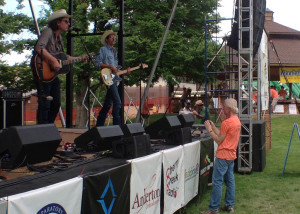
x=108, y=58
x=50, y=43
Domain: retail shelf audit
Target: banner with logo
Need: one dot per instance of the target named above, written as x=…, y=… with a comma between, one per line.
x=290, y=74
x=191, y=164
x=145, y=184
x=61, y=198
x=263, y=74
x=173, y=175
x=107, y=192
x=206, y=163
x=173, y=179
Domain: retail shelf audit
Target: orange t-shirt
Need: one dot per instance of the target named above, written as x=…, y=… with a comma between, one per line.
x=230, y=127
x=254, y=98
x=274, y=93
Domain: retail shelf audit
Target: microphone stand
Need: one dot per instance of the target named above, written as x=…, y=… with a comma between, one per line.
x=140, y=73
x=89, y=68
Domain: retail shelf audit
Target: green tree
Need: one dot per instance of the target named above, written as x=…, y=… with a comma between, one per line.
x=183, y=53
x=17, y=76
x=182, y=56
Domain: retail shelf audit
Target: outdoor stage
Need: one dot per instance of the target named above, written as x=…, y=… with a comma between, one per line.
x=96, y=182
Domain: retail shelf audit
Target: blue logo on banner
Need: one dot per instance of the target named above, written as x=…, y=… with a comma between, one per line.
x=110, y=186
x=52, y=209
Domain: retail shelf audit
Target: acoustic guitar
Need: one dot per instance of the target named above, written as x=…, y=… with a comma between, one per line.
x=48, y=72
x=109, y=78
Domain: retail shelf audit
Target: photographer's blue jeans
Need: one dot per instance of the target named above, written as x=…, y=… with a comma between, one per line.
x=223, y=172
x=112, y=98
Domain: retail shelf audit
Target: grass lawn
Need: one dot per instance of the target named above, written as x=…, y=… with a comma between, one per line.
x=267, y=191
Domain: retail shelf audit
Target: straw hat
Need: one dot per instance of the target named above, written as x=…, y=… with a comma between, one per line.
x=105, y=34
x=59, y=14
x=199, y=102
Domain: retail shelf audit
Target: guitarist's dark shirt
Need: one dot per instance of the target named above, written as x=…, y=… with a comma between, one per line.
x=47, y=41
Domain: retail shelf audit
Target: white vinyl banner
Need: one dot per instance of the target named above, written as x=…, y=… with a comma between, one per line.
x=263, y=68
x=61, y=198
x=191, y=164
x=145, y=184
x=173, y=179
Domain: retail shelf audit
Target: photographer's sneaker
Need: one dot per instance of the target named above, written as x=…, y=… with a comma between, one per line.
x=227, y=209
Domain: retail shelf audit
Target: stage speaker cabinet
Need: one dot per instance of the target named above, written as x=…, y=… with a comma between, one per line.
x=132, y=129
x=132, y=147
x=99, y=138
x=20, y=145
x=258, y=144
x=259, y=9
x=186, y=120
x=11, y=112
x=179, y=137
x=163, y=127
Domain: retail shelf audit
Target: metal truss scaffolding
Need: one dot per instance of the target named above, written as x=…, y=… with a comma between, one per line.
x=245, y=76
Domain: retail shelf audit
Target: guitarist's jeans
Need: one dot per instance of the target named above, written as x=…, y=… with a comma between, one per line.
x=47, y=110
x=112, y=98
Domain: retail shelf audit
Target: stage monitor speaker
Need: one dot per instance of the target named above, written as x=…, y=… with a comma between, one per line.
x=99, y=138
x=11, y=112
x=258, y=144
x=162, y=127
x=186, y=120
x=132, y=147
x=259, y=9
x=28, y=144
x=132, y=129
x=179, y=137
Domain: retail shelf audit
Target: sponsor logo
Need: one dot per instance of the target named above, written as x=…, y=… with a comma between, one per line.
x=205, y=170
x=207, y=160
x=191, y=172
x=289, y=73
x=52, y=209
x=149, y=198
x=109, y=186
x=172, y=179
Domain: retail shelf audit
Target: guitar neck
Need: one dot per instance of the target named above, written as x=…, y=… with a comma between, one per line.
x=70, y=61
x=125, y=71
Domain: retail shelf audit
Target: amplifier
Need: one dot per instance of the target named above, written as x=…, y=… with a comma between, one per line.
x=11, y=94
x=11, y=113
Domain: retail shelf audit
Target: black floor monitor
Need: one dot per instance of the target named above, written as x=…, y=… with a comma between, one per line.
x=99, y=138
x=21, y=145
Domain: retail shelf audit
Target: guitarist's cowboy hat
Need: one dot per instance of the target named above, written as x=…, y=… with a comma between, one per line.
x=105, y=34
x=62, y=13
